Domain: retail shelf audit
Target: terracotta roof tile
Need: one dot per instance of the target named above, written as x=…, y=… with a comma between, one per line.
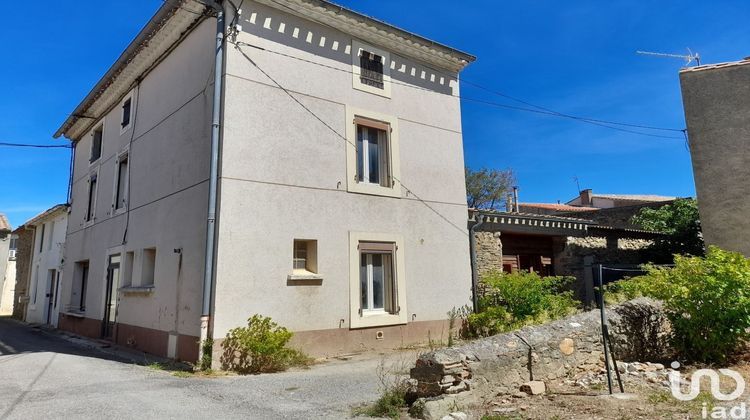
x=636, y=197
x=557, y=207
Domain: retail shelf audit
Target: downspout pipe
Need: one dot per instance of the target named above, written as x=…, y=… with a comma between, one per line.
x=474, y=270
x=208, y=274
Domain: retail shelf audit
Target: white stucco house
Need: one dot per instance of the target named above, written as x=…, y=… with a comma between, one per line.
x=7, y=266
x=340, y=205
x=46, y=261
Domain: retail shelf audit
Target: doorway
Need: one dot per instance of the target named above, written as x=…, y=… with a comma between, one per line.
x=49, y=296
x=110, y=297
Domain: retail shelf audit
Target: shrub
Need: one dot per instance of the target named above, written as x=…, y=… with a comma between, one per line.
x=707, y=300
x=510, y=301
x=259, y=347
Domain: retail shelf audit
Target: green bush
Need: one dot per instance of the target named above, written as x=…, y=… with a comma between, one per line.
x=208, y=347
x=259, y=347
x=707, y=300
x=510, y=301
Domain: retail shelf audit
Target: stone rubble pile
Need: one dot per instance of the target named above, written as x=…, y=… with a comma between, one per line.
x=655, y=373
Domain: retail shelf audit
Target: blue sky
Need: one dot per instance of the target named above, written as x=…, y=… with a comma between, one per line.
x=576, y=57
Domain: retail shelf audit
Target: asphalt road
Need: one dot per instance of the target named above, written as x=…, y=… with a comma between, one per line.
x=45, y=376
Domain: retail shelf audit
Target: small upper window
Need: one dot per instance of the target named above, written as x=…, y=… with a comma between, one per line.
x=373, y=154
x=371, y=66
x=96, y=144
x=126, y=113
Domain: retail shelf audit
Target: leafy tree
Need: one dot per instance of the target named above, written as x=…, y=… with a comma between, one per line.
x=679, y=221
x=487, y=188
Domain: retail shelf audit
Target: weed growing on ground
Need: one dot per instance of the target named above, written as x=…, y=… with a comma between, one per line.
x=207, y=348
x=394, y=386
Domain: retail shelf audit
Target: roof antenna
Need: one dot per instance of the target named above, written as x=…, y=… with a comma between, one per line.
x=575, y=178
x=689, y=58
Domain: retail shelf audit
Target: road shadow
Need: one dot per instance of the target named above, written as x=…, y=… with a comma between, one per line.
x=18, y=338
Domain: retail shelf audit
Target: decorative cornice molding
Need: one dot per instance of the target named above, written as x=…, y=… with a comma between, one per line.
x=375, y=32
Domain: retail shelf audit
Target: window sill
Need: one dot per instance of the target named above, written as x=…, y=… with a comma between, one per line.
x=304, y=279
x=137, y=290
x=377, y=319
x=375, y=189
x=75, y=314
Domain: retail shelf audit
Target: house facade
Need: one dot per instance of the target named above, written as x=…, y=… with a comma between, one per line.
x=45, y=262
x=340, y=192
x=716, y=104
x=7, y=266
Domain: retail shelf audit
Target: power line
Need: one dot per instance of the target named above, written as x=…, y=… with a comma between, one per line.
x=37, y=146
x=538, y=108
x=342, y=137
x=552, y=113
x=561, y=114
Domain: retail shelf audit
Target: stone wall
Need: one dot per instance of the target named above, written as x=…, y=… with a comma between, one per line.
x=504, y=362
x=23, y=267
x=605, y=248
x=489, y=252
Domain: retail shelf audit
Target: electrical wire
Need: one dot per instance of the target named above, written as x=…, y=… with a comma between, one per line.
x=538, y=109
x=561, y=114
x=342, y=137
x=37, y=146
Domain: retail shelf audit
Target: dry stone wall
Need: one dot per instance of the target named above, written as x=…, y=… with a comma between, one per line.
x=489, y=252
x=547, y=352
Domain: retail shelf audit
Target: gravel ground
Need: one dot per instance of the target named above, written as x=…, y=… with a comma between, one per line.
x=44, y=375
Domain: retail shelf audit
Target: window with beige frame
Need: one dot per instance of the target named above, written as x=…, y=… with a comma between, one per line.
x=372, y=153
x=377, y=280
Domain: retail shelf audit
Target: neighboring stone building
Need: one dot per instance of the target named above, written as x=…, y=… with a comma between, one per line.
x=339, y=208
x=716, y=99
x=555, y=245
x=587, y=198
x=24, y=244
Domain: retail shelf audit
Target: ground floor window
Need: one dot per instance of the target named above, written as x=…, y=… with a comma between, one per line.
x=378, y=283
x=378, y=290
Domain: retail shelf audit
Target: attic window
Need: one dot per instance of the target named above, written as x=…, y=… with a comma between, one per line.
x=371, y=66
x=371, y=69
